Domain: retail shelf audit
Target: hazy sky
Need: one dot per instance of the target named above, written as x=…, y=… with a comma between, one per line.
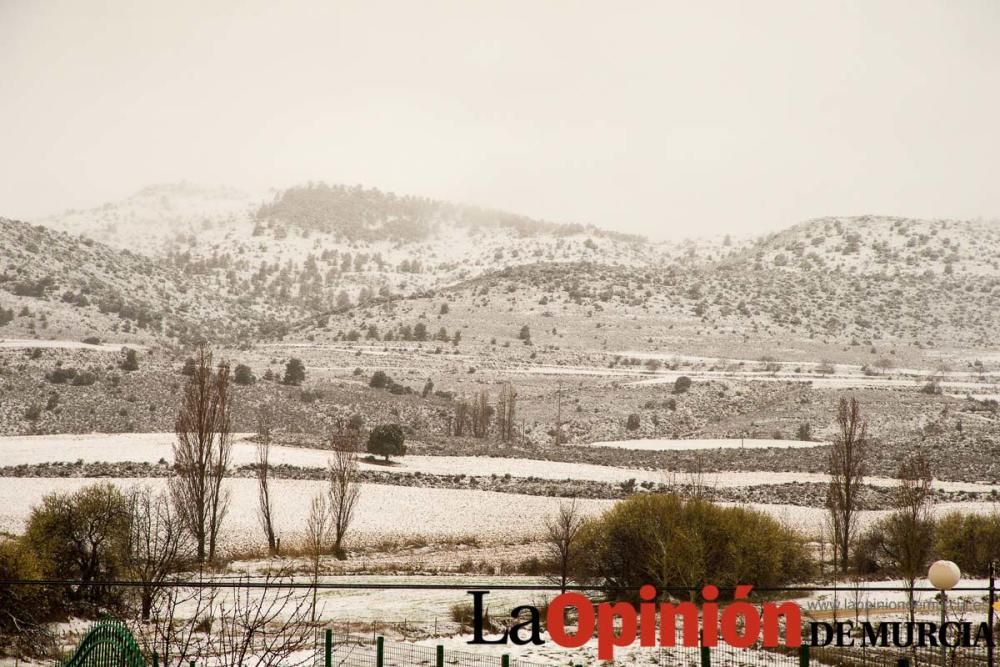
x=666, y=118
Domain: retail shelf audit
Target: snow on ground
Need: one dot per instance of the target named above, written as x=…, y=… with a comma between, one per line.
x=26, y=344
x=959, y=388
x=810, y=520
x=386, y=511
x=152, y=447
x=383, y=511
x=663, y=444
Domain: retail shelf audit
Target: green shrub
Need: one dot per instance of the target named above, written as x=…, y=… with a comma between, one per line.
x=82, y=536
x=84, y=379
x=295, y=372
x=667, y=541
x=25, y=608
x=61, y=375
x=130, y=360
x=970, y=540
x=243, y=375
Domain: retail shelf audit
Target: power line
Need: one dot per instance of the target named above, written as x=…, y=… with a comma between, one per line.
x=472, y=586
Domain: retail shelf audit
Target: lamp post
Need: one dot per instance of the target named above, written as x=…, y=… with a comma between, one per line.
x=944, y=575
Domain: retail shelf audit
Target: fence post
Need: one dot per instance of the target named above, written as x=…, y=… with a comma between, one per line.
x=156, y=659
x=903, y=662
x=440, y=656
x=379, y=651
x=803, y=655
x=706, y=657
x=327, y=649
x=505, y=660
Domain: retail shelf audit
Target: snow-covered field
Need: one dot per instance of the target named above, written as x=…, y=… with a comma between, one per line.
x=663, y=444
x=810, y=520
x=28, y=343
x=393, y=511
x=152, y=447
x=383, y=511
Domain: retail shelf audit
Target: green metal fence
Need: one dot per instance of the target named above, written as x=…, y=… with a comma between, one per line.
x=352, y=650
x=341, y=649
x=108, y=643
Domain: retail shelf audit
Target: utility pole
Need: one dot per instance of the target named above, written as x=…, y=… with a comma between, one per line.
x=991, y=613
x=559, y=414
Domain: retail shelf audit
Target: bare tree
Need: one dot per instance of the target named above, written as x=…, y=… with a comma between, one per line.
x=561, y=531
x=463, y=412
x=847, y=470
x=201, y=454
x=482, y=413
x=697, y=487
x=506, y=411
x=157, y=546
x=173, y=628
x=344, y=492
x=559, y=415
x=262, y=626
x=263, y=470
x=317, y=536
x=265, y=626
x=906, y=537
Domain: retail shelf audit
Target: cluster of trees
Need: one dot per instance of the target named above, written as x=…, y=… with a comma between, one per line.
x=97, y=534
x=381, y=380
x=103, y=533
x=906, y=541
x=295, y=372
x=478, y=416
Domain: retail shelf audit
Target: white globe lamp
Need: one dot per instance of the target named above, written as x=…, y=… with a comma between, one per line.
x=944, y=575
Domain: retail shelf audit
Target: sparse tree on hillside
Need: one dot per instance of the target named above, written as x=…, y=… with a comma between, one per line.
x=804, y=432
x=295, y=372
x=378, y=380
x=506, y=411
x=848, y=455
x=243, y=375
x=387, y=440
x=130, y=360
x=201, y=454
